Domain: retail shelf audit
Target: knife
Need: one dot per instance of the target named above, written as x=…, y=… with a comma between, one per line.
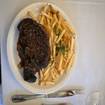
x=59, y=94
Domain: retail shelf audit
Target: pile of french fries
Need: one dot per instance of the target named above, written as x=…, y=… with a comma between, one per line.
x=60, y=63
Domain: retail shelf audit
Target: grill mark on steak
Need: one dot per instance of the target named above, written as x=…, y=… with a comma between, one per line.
x=33, y=45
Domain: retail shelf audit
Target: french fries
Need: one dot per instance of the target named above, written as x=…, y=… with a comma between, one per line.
x=47, y=16
x=63, y=32
x=59, y=32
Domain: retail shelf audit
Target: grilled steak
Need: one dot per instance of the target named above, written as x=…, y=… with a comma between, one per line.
x=33, y=45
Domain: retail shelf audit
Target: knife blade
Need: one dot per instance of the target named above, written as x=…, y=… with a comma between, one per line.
x=65, y=93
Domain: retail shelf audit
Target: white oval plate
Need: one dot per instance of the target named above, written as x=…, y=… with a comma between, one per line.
x=14, y=58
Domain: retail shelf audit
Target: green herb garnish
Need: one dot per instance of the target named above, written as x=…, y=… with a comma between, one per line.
x=60, y=48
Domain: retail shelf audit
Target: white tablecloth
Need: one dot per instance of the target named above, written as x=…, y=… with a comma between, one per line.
x=88, y=18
